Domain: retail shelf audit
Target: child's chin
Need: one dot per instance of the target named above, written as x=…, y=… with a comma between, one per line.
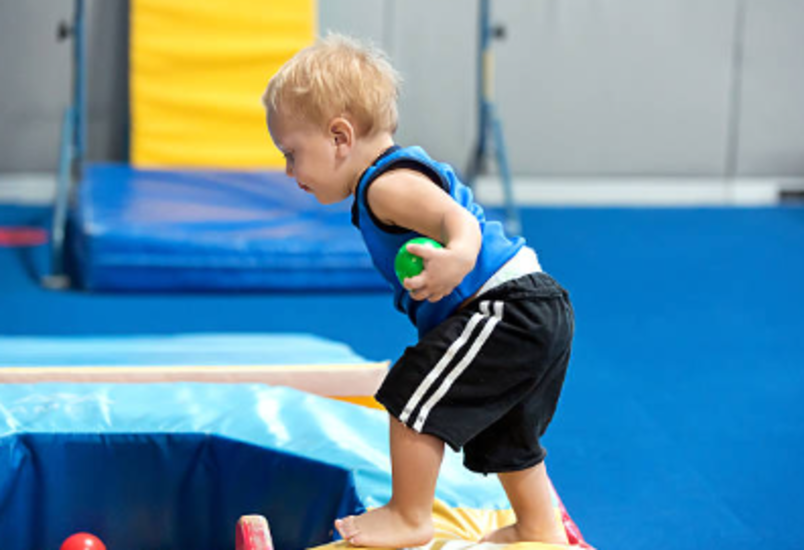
x=329, y=200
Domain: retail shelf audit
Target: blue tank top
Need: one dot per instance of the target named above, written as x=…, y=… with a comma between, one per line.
x=383, y=241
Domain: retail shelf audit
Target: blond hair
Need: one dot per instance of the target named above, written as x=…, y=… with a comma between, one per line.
x=338, y=76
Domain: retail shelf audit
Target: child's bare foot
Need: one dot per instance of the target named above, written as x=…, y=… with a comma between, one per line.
x=514, y=533
x=385, y=528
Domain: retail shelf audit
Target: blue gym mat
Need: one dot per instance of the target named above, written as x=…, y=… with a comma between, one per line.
x=158, y=466
x=175, y=349
x=137, y=229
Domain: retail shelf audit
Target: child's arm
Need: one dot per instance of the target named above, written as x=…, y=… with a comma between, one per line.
x=408, y=199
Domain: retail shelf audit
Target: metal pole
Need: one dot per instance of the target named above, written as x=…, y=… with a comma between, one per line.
x=735, y=99
x=57, y=278
x=489, y=118
x=79, y=88
x=478, y=153
x=512, y=222
x=71, y=152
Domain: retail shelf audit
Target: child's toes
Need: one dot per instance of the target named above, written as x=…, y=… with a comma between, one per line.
x=347, y=528
x=357, y=540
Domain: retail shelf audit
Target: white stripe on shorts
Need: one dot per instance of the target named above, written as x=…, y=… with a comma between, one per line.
x=442, y=365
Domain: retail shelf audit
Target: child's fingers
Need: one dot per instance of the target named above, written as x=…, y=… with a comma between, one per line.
x=423, y=251
x=417, y=287
x=414, y=283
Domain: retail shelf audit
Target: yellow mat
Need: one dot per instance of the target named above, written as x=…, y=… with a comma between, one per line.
x=198, y=70
x=461, y=528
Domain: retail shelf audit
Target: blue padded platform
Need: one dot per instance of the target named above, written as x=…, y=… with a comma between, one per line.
x=286, y=349
x=157, y=466
x=135, y=229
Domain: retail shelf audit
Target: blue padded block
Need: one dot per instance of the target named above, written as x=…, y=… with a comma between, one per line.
x=137, y=229
x=155, y=466
x=175, y=349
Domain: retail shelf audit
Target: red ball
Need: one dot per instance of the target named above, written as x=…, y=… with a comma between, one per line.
x=82, y=541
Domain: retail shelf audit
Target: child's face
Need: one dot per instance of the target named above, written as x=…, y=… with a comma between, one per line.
x=312, y=158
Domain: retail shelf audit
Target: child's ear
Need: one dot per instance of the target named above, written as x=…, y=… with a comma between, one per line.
x=341, y=132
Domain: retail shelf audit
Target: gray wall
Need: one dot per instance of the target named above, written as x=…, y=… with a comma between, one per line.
x=34, y=84
x=584, y=87
x=36, y=81
x=772, y=118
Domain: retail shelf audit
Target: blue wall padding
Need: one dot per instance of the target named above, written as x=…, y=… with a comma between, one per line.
x=157, y=466
x=178, y=349
x=137, y=229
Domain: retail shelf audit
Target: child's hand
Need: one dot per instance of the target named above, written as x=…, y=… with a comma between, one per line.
x=444, y=269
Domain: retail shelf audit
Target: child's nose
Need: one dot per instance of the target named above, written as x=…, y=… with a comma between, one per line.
x=289, y=169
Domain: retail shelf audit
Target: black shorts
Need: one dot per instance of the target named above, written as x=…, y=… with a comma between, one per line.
x=489, y=377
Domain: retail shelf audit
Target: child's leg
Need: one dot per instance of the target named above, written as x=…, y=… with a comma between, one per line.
x=529, y=493
x=407, y=519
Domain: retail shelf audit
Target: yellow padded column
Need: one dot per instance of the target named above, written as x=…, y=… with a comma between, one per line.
x=198, y=69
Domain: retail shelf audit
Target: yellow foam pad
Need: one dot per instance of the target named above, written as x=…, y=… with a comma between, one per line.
x=198, y=70
x=367, y=401
x=462, y=528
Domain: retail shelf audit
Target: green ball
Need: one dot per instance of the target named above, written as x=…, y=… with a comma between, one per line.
x=408, y=265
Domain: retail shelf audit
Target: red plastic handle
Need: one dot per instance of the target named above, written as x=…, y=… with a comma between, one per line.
x=253, y=533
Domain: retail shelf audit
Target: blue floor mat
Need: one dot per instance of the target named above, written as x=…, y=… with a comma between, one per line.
x=679, y=427
x=138, y=229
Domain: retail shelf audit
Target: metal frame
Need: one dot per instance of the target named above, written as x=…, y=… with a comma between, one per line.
x=72, y=147
x=489, y=123
x=731, y=160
